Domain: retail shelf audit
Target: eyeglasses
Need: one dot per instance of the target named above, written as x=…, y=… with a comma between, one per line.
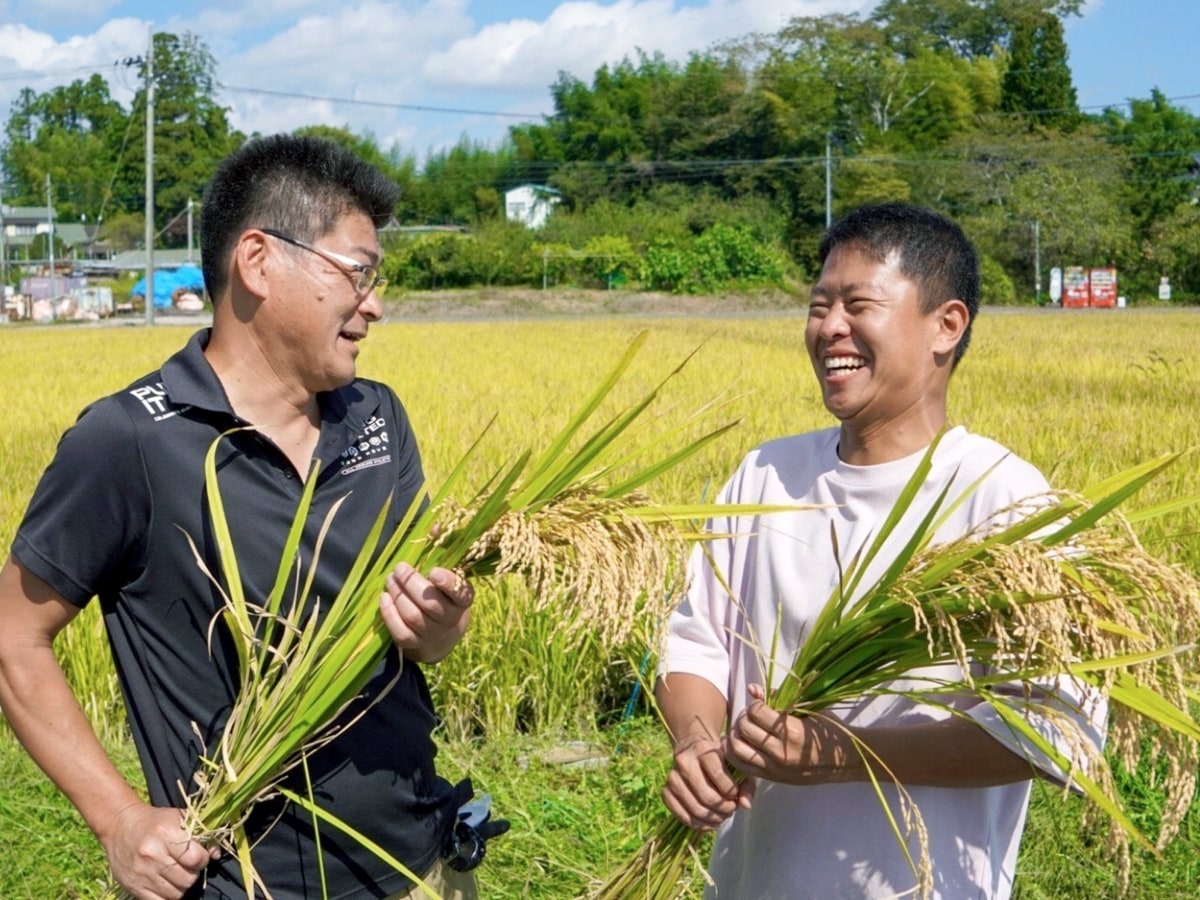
x=366, y=278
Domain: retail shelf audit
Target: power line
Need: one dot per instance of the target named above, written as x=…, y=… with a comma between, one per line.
x=528, y=117
x=48, y=73
x=381, y=103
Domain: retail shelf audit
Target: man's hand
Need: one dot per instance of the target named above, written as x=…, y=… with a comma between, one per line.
x=766, y=743
x=150, y=854
x=700, y=791
x=426, y=616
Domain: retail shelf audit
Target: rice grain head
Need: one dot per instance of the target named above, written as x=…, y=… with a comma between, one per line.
x=615, y=567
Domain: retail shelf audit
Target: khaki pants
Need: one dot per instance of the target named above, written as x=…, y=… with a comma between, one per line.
x=450, y=885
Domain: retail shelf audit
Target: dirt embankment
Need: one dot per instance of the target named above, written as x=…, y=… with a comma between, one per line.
x=500, y=303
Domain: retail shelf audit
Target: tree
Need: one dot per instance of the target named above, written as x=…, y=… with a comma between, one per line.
x=460, y=184
x=70, y=133
x=1174, y=251
x=968, y=28
x=641, y=123
x=1158, y=142
x=1038, y=80
x=999, y=181
x=191, y=131
x=960, y=90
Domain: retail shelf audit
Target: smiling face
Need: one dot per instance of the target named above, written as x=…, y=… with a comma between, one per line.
x=321, y=316
x=882, y=363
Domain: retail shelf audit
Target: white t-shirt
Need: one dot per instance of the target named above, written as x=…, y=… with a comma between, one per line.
x=833, y=841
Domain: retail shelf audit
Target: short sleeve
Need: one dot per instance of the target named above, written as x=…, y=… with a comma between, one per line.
x=410, y=474
x=84, y=530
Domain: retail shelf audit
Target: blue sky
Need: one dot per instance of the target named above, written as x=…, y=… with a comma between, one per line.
x=286, y=63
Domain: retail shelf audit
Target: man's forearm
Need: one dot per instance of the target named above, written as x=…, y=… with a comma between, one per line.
x=38, y=703
x=953, y=753
x=692, y=707
x=47, y=719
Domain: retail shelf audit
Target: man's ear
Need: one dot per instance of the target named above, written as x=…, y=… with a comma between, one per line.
x=953, y=317
x=251, y=259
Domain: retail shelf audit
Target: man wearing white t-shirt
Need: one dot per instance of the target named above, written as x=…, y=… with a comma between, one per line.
x=889, y=318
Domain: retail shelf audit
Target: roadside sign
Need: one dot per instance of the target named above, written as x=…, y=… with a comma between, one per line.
x=1103, y=284
x=1075, y=287
x=1055, y=284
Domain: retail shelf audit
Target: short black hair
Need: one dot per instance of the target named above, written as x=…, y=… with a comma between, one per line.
x=300, y=186
x=932, y=250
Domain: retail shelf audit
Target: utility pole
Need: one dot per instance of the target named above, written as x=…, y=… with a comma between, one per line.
x=1037, y=261
x=3, y=265
x=50, y=216
x=189, y=221
x=828, y=181
x=150, y=182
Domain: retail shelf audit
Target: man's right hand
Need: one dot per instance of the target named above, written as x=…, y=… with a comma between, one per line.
x=151, y=855
x=700, y=791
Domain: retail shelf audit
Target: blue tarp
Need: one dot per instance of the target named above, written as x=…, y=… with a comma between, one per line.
x=167, y=281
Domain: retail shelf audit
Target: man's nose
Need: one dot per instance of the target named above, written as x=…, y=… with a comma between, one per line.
x=371, y=306
x=834, y=324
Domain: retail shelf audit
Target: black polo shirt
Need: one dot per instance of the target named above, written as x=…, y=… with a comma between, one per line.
x=111, y=518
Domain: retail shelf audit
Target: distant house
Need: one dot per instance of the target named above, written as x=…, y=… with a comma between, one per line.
x=530, y=204
x=21, y=226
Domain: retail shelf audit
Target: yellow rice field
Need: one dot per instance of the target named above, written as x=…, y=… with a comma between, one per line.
x=1078, y=393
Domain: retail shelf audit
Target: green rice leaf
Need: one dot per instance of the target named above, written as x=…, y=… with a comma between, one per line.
x=1110, y=493
x=1094, y=792
x=360, y=838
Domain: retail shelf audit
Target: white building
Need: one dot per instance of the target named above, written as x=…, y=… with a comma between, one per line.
x=530, y=204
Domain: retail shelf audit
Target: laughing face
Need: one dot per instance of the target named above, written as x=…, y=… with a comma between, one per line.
x=882, y=363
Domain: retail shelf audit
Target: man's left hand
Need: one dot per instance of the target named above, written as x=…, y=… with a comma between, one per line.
x=426, y=616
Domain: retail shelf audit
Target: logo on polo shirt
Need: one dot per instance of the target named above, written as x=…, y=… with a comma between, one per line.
x=154, y=398
x=371, y=448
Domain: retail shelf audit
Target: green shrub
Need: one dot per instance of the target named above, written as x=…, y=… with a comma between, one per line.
x=609, y=260
x=996, y=287
x=723, y=256
x=667, y=267
x=425, y=262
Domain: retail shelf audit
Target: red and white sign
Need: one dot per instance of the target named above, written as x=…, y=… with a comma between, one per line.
x=1103, y=287
x=1075, y=287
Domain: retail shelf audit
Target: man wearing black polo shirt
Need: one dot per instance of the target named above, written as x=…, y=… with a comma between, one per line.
x=291, y=255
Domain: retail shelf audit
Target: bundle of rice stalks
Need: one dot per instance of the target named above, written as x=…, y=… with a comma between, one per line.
x=1067, y=591
x=561, y=519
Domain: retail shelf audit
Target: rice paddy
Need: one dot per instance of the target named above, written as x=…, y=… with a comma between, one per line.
x=1081, y=394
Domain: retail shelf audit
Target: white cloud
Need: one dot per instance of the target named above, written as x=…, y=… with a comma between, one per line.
x=38, y=50
x=45, y=62
x=579, y=37
x=24, y=47
x=370, y=50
